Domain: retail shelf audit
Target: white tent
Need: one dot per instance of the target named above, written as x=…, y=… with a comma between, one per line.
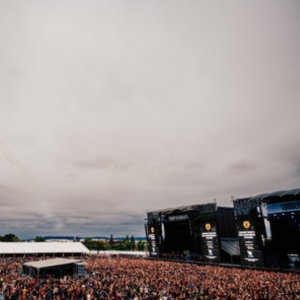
x=51, y=263
x=117, y=252
x=57, y=267
x=42, y=248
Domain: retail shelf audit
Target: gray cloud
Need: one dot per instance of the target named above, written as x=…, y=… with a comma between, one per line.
x=297, y=169
x=242, y=166
x=104, y=163
x=109, y=110
x=7, y=189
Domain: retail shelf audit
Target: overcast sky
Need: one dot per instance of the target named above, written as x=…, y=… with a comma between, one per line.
x=110, y=109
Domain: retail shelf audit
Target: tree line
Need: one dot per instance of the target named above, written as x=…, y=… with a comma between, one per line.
x=124, y=245
x=10, y=237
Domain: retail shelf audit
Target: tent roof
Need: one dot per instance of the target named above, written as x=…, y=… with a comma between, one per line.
x=42, y=247
x=51, y=263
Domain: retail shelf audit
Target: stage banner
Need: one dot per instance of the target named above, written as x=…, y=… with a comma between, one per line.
x=153, y=240
x=178, y=218
x=251, y=253
x=210, y=242
x=283, y=207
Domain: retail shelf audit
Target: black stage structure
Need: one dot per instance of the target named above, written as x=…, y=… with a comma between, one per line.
x=196, y=231
x=251, y=231
x=269, y=229
x=259, y=231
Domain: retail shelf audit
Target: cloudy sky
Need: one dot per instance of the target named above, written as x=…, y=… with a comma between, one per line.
x=110, y=109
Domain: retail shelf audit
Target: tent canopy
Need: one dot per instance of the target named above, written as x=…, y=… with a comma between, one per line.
x=42, y=247
x=51, y=263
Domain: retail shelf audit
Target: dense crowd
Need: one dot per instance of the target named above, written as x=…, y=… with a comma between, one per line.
x=134, y=278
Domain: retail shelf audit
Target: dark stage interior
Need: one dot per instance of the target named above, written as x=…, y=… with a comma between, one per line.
x=285, y=230
x=177, y=237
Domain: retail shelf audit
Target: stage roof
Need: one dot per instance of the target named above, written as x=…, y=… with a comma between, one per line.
x=181, y=209
x=42, y=247
x=276, y=196
x=172, y=210
x=52, y=263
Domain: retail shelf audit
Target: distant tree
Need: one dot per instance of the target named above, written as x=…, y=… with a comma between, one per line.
x=39, y=239
x=132, y=239
x=141, y=245
x=10, y=237
x=132, y=242
x=120, y=247
x=111, y=241
x=94, y=245
x=126, y=244
x=88, y=242
x=1, y=238
x=100, y=245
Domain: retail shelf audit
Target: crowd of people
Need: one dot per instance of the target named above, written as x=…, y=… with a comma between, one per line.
x=118, y=277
